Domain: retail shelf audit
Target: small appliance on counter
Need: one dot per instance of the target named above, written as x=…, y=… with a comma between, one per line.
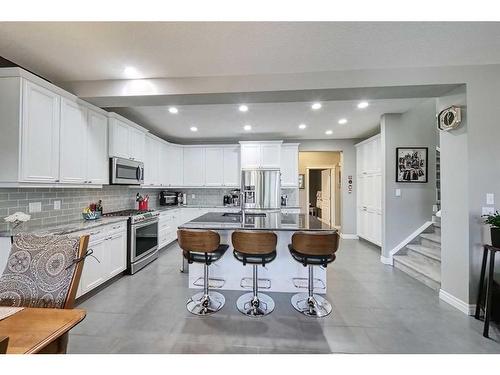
x=235, y=197
x=169, y=198
x=227, y=200
x=284, y=200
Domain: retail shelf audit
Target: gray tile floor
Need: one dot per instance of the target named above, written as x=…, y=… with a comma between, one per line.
x=377, y=309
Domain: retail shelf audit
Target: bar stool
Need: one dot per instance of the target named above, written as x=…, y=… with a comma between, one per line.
x=255, y=248
x=313, y=249
x=202, y=246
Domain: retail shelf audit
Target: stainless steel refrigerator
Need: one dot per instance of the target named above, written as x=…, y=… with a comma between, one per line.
x=261, y=189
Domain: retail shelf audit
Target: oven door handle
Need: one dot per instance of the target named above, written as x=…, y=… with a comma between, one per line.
x=145, y=223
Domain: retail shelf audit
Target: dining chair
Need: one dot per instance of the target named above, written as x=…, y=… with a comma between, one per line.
x=4, y=341
x=44, y=271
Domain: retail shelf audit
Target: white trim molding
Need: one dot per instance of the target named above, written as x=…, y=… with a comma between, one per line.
x=456, y=302
x=408, y=239
x=386, y=260
x=347, y=236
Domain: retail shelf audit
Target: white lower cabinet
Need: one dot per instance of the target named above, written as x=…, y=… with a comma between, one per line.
x=109, y=257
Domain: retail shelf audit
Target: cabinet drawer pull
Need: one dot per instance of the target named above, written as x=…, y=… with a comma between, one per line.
x=94, y=233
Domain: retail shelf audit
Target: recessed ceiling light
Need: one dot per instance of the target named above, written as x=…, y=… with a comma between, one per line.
x=316, y=105
x=243, y=108
x=329, y=132
x=173, y=110
x=302, y=126
x=131, y=72
x=362, y=105
x=343, y=121
x=247, y=127
x=193, y=128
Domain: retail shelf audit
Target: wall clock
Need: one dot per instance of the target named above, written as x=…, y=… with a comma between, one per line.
x=449, y=118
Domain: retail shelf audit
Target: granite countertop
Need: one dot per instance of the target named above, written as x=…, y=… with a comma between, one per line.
x=275, y=221
x=66, y=228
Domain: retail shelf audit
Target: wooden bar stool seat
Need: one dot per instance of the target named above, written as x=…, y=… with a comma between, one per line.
x=313, y=249
x=202, y=246
x=255, y=248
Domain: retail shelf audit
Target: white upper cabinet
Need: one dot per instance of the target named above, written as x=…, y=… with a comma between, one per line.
x=136, y=144
x=164, y=165
x=214, y=166
x=97, y=148
x=175, y=165
x=250, y=156
x=256, y=155
x=194, y=163
x=290, y=165
x=270, y=155
x=151, y=162
x=118, y=138
x=126, y=141
x=39, y=134
x=232, y=172
x=73, y=141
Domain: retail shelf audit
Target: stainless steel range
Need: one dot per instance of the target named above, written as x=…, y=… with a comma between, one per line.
x=142, y=241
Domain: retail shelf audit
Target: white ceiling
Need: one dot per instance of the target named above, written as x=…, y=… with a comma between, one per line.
x=97, y=51
x=219, y=122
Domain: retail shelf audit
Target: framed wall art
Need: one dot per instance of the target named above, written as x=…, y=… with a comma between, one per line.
x=411, y=164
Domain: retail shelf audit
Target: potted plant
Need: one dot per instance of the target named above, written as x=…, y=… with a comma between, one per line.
x=494, y=222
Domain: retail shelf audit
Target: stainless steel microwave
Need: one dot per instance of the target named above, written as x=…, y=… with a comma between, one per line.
x=126, y=172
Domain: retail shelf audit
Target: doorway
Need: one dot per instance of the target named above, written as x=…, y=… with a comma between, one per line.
x=321, y=194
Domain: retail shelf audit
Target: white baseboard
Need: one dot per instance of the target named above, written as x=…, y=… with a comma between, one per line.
x=457, y=303
x=386, y=260
x=408, y=239
x=347, y=236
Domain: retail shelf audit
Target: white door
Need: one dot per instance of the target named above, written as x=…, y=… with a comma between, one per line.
x=250, y=156
x=194, y=166
x=232, y=171
x=289, y=166
x=214, y=166
x=40, y=134
x=97, y=148
x=326, y=196
x=118, y=139
x=73, y=143
x=136, y=144
x=270, y=155
x=117, y=248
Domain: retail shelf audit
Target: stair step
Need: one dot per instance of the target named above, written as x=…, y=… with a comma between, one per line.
x=423, y=271
x=433, y=237
x=425, y=251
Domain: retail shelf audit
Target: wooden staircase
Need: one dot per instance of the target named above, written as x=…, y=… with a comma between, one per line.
x=421, y=259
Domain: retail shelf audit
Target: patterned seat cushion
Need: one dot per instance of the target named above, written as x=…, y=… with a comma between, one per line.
x=39, y=271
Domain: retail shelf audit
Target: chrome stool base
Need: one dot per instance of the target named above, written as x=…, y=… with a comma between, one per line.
x=315, y=306
x=203, y=304
x=261, y=306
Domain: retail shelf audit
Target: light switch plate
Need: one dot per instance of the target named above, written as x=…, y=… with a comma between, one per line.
x=35, y=207
x=57, y=205
x=193, y=196
x=488, y=211
x=398, y=192
x=490, y=198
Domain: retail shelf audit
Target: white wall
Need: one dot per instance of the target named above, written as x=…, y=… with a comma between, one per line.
x=455, y=265
x=403, y=215
x=348, y=160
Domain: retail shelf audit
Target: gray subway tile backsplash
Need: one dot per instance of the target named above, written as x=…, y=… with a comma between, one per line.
x=114, y=198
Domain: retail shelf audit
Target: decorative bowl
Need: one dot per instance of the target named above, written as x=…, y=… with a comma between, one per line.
x=94, y=215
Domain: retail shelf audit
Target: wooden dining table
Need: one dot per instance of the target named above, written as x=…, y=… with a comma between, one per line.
x=38, y=330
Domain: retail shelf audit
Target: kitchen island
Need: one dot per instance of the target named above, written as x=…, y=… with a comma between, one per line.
x=280, y=272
